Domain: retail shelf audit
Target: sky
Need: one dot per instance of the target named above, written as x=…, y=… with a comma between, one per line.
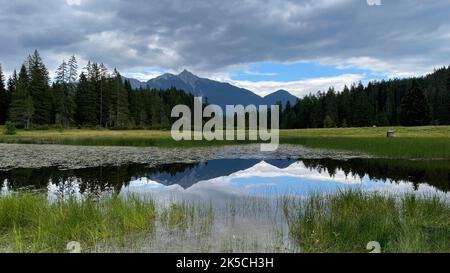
x=301, y=46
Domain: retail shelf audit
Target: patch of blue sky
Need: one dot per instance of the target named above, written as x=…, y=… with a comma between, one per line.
x=280, y=72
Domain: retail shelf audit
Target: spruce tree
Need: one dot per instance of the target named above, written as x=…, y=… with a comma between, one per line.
x=331, y=105
x=131, y=101
x=86, y=107
x=415, y=110
x=40, y=90
x=155, y=110
x=289, y=117
x=344, y=107
x=4, y=99
x=328, y=122
x=64, y=95
x=447, y=100
x=121, y=101
x=102, y=83
x=361, y=115
x=73, y=70
x=96, y=83
x=62, y=73
x=12, y=82
x=22, y=108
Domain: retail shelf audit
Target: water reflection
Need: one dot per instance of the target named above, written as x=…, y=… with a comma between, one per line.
x=237, y=176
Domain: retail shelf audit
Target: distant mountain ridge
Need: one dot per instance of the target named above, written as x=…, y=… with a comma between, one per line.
x=219, y=93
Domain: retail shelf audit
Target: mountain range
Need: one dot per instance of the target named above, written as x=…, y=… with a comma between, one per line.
x=216, y=92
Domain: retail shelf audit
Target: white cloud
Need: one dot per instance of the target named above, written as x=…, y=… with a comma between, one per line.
x=258, y=73
x=374, y=2
x=408, y=67
x=142, y=76
x=73, y=2
x=301, y=87
x=398, y=38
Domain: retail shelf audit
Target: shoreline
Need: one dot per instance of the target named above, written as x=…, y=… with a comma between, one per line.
x=78, y=157
x=431, y=142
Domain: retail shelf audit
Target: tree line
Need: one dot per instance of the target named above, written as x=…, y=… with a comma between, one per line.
x=94, y=98
x=97, y=97
x=406, y=102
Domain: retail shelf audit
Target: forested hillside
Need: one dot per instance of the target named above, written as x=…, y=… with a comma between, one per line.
x=408, y=102
x=97, y=97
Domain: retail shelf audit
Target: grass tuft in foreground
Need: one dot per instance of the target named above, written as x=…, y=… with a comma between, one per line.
x=346, y=222
x=29, y=223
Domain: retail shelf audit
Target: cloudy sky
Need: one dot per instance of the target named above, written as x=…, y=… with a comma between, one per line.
x=298, y=45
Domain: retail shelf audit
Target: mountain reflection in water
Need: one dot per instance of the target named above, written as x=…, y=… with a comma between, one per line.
x=238, y=176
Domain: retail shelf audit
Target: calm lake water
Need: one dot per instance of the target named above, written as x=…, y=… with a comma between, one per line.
x=225, y=178
x=246, y=196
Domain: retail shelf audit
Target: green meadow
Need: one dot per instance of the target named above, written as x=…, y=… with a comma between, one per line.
x=411, y=142
x=429, y=142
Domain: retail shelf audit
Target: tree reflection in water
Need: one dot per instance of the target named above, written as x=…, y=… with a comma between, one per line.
x=96, y=181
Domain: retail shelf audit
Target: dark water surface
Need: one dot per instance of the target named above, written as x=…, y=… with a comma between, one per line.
x=224, y=177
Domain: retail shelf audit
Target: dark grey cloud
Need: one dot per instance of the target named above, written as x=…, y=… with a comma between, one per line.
x=399, y=37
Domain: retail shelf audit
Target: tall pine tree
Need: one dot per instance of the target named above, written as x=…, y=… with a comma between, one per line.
x=331, y=106
x=446, y=114
x=12, y=82
x=415, y=110
x=361, y=115
x=73, y=70
x=85, y=99
x=63, y=90
x=4, y=99
x=106, y=111
x=121, y=100
x=40, y=90
x=22, y=108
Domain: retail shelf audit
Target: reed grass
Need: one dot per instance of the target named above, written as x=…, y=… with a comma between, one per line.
x=347, y=221
x=30, y=223
x=343, y=222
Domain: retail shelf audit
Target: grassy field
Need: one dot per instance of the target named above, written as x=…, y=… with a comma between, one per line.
x=340, y=223
x=344, y=222
x=414, y=142
x=103, y=137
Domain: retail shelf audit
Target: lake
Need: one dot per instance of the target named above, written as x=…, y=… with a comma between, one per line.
x=225, y=178
x=243, y=198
